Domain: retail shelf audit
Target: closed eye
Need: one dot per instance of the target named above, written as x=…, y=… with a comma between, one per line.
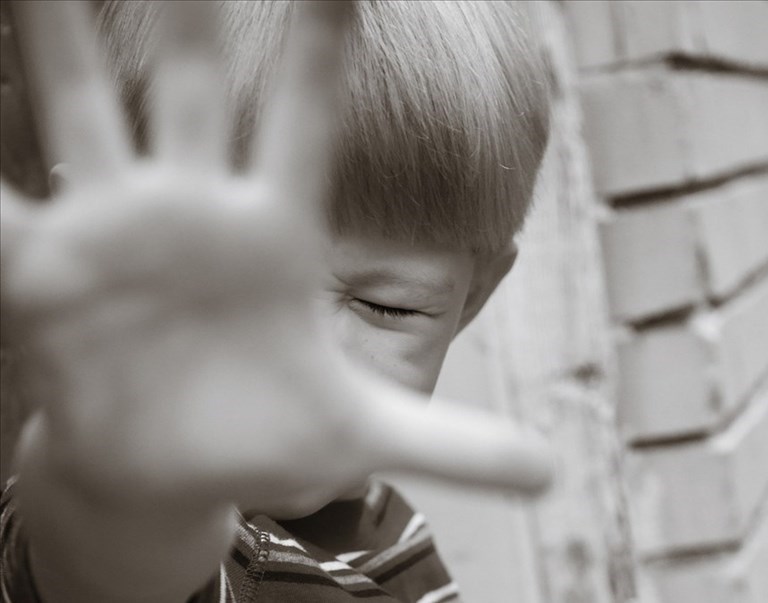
x=387, y=310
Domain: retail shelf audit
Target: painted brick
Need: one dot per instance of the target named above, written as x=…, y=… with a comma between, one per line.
x=722, y=30
x=591, y=22
x=732, y=231
x=727, y=122
x=656, y=256
x=740, y=338
x=653, y=29
x=704, y=493
x=731, y=577
x=734, y=31
x=649, y=255
x=665, y=388
x=609, y=33
x=656, y=128
x=686, y=378
x=632, y=129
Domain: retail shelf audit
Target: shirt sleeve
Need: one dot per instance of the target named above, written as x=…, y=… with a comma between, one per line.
x=15, y=573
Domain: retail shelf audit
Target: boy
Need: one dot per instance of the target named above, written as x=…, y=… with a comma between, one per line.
x=191, y=320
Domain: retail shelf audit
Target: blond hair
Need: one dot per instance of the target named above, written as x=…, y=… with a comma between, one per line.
x=445, y=116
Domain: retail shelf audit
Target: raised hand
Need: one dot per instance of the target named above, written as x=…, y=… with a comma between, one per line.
x=172, y=298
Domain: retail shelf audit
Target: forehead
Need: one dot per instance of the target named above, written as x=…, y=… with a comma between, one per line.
x=363, y=261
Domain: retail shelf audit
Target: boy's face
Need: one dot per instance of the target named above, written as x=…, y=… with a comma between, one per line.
x=395, y=306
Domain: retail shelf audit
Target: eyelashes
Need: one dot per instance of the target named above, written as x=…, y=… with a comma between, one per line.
x=387, y=311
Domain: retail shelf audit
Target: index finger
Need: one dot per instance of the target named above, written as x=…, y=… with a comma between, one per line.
x=294, y=148
x=81, y=119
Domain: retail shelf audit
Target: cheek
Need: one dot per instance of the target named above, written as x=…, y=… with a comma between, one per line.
x=412, y=358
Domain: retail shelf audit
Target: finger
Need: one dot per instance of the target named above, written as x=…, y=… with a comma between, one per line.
x=455, y=443
x=295, y=144
x=189, y=112
x=78, y=109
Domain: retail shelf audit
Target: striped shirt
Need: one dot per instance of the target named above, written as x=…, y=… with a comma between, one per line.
x=375, y=549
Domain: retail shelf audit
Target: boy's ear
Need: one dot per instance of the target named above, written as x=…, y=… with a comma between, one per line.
x=490, y=268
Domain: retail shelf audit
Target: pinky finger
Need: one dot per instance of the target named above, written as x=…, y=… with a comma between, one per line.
x=81, y=119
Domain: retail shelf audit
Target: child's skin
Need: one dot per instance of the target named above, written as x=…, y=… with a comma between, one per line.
x=205, y=333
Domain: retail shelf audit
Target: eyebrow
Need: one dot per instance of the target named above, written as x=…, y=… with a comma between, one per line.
x=384, y=276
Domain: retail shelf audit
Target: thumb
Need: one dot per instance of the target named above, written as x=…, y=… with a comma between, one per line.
x=17, y=218
x=453, y=443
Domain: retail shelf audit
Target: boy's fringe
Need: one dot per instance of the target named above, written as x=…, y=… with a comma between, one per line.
x=444, y=122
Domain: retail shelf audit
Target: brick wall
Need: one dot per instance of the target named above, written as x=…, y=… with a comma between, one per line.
x=675, y=104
